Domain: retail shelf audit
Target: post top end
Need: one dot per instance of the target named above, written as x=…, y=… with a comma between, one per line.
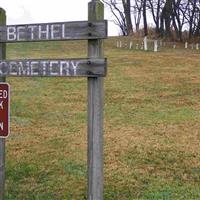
x=95, y=1
x=2, y=10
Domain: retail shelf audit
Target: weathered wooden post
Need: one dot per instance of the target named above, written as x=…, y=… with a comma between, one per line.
x=93, y=67
x=95, y=111
x=2, y=140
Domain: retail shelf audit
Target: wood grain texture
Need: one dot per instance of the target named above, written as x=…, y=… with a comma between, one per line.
x=54, y=68
x=95, y=112
x=2, y=140
x=80, y=30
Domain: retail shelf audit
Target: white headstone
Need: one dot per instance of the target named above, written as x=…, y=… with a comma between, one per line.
x=120, y=44
x=155, y=45
x=197, y=46
x=145, y=43
x=142, y=46
x=186, y=45
x=130, y=45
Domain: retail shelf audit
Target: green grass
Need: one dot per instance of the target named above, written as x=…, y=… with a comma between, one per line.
x=152, y=123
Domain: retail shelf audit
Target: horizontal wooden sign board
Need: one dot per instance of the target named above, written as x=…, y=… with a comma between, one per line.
x=52, y=68
x=54, y=31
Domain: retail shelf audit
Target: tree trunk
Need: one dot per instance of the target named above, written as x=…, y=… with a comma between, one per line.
x=145, y=18
x=127, y=13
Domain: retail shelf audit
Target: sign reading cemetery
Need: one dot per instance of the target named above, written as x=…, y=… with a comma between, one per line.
x=4, y=109
x=54, y=31
x=62, y=67
x=94, y=66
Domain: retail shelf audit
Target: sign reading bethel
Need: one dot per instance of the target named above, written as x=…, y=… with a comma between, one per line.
x=53, y=31
x=4, y=110
x=63, y=67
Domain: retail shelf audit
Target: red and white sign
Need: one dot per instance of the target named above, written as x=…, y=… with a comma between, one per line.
x=4, y=110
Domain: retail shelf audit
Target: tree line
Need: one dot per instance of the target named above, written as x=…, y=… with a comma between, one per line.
x=177, y=19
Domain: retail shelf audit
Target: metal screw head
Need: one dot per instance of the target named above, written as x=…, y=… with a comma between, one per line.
x=89, y=62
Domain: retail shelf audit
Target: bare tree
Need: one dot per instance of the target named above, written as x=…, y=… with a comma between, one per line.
x=127, y=13
x=137, y=13
x=119, y=17
x=169, y=16
x=121, y=10
x=197, y=21
x=155, y=7
x=193, y=18
x=144, y=12
x=178, y=16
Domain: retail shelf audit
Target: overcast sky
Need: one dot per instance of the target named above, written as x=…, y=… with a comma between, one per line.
x=39, y=11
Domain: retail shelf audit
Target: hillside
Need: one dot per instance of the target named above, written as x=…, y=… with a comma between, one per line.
x=152, y=126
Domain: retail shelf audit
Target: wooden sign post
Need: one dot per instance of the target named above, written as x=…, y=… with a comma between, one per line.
x=95, y=112
x=93, y=67
x=4, y=110
x=2, y=140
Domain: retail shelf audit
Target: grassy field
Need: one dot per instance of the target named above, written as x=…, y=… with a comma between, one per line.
x=152, y=126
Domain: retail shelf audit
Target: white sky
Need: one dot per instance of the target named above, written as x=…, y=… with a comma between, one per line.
x=39, y=11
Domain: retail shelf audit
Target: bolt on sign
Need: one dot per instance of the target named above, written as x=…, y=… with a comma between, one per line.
x=4, y=109
x=62, y=67
x=54, y=31
x=93, y=67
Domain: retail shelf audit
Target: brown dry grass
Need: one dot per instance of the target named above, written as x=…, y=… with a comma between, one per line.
x=152, y=127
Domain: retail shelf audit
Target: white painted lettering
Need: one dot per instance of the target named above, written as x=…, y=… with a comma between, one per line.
x=1, y=105
x=13, y=68
x=44, y=31
x=34, y=68
x=1, y=126
x=55, y=30
x=11, y=33
x=44, y=67
x=24, y=68
x=3, y=94
x=64, y=31
x=74, y=65
x=21, y=33
x=33, y=28
x=54, y=71
x=64, y=68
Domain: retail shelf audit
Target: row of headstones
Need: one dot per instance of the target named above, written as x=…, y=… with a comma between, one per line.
x=156, y=45
x=192, y=46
